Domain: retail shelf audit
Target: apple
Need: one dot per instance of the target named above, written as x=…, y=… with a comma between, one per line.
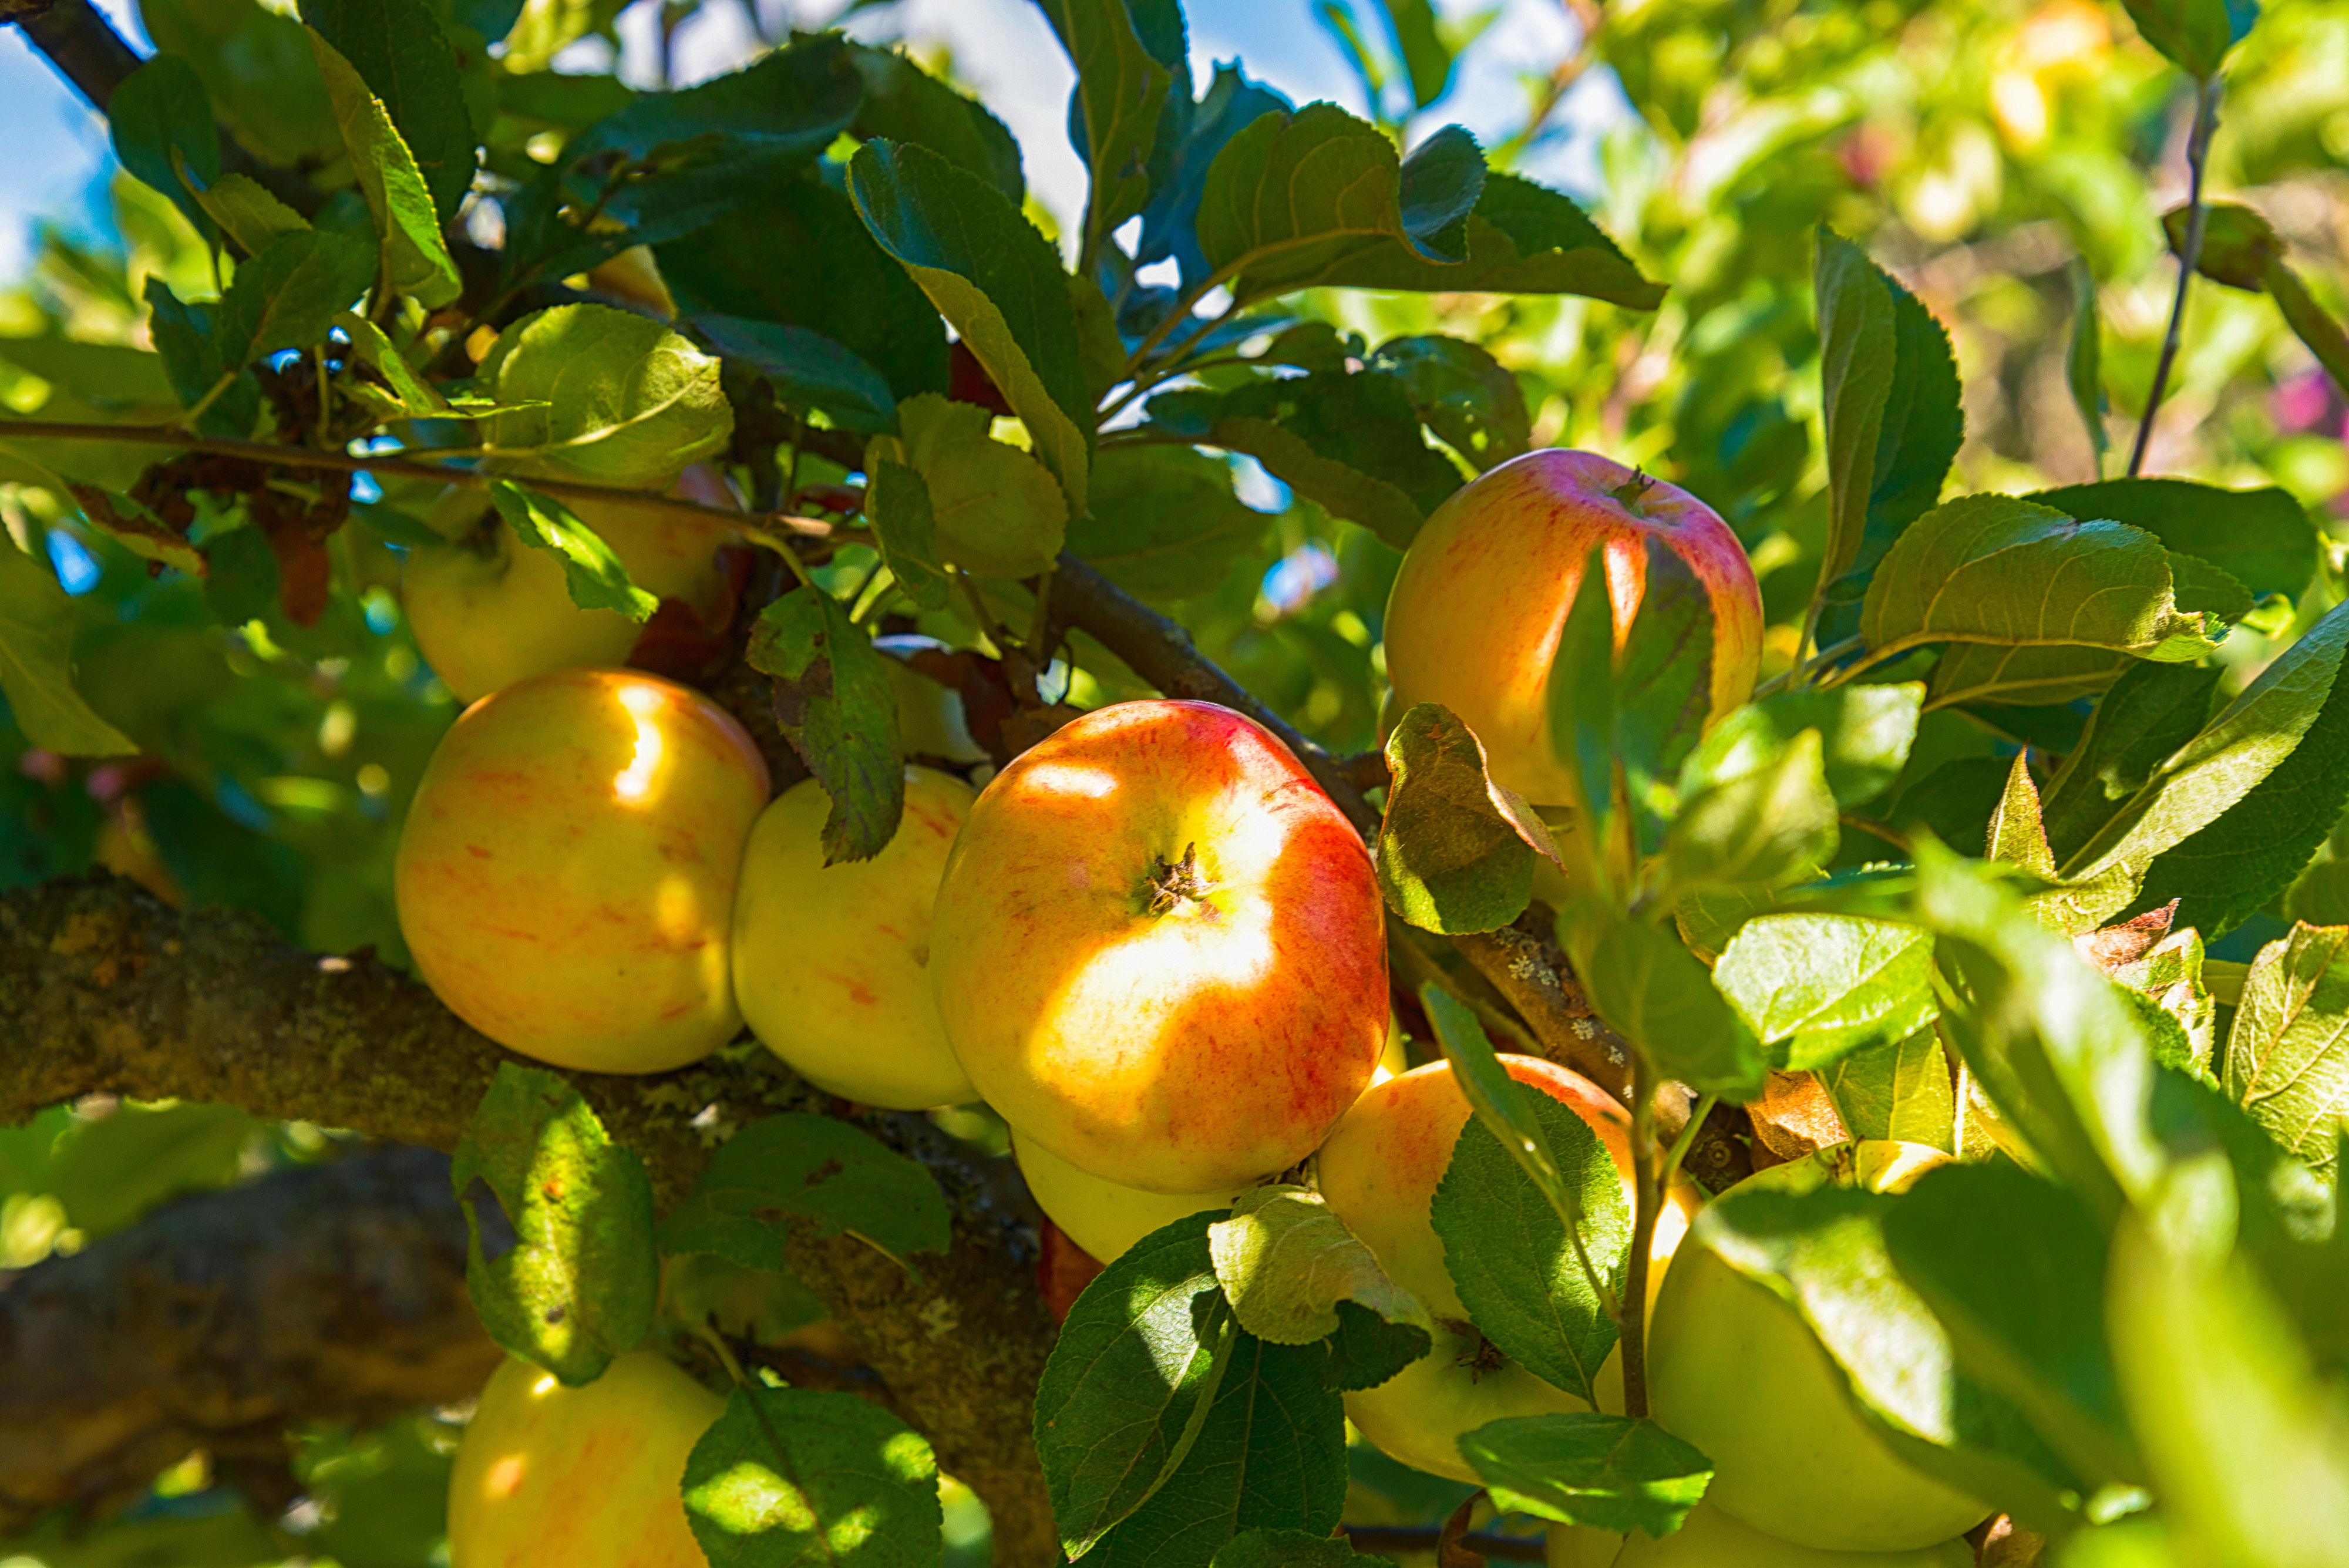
x=586, y=1478
x=1159, y=950
x=1100, y=1216
x=1735, y=1371
x=831, y=962
x=489, y=610
x=1709, y=1538
x=1473, y=620
x=1379, y=1173
x=565, y=875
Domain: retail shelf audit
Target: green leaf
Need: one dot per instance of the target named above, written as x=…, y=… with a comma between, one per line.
x=546, y=27
x=161, y=121
x=1455, y=850
x=2193, y=34
x=579, y=1287
x=1170, y=223
x=796, y=1476
x=1990, y=568
x=187, y=336
x=839, y=709
x=996, y=511
x=1115, y=116
x=1165, y=523
x=1764, y=827
x=997, y=280
x=2261, y=538
x=110, y=376
x=2147, y=714
x=1286, y=1261
x=1660, y=999
x=2083, y=357
x=381, y=376
x=2288, y=1050
x=1283, y=1549
x=247, y=212
x=1895, y=420
x=400, y=51
x=1902, y=1091
x=807, y=369
x=2013, y=1265
x=258, y=68
x=803, y=1173
x=800, y=257
x=1823, y=986
x=1865, y=734
x=1463, y=394
x=1426, y=58
x=416, y=257
x=2016, y=835
x=1607, y=1472
x=591, y=568
x=898, y=506
x=36, y=627
x=904, y=103
x=1521, y=238
x=288, y=295
x=1131, y=1380
x=618, y=400
x=1512, y=1257
x=1505, y=1106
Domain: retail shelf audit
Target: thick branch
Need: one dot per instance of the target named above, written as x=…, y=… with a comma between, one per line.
x=104, y=989
x=334, y=1292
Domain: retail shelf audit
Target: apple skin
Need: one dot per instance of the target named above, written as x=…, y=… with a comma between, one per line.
x=1709, y=1538
x=489, y=610
x=1103, y=1217
x=583, y=1478
x=1473, y=620
x=831, y=962
x=565, y=875
x=1379, y=1173
x=1198, y=1049
x=1735, y=1371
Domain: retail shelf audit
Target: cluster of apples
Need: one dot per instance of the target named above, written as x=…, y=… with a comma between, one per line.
x=1158, y=950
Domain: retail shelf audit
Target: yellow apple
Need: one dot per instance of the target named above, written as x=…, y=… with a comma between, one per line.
x=1379, y=1172
x=1476, y=609
x=489, y=610
x=1709, y=1538
x=1160, y=951
x=565, y=875
x=831, y=962
x=549, y=1477
x=1100, y=1216
x=1736, y=1372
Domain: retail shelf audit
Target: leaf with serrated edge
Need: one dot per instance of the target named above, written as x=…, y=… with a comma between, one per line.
x=813, y=1172
x=402, y=394
x=897, y=504
x=1607, y=1472
x=2017, y=834
x=994, y=509
x=1826, y=985
x=1283, y=1549
x=1285, y=1260
x=1900, y=1091
x=2288, y=1051
x=1455, y=850
x=592, y=570
x=416, y=256
x=289, y=294
x=838, y=708
x=1865, y=734
x=1500, y=1102
x=36, y=622
x=800, y=1476
x=589, y=392
x=1857, y=356
x=1658, y=997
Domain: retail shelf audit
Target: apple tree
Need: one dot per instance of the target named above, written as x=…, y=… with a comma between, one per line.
x=1807, y=677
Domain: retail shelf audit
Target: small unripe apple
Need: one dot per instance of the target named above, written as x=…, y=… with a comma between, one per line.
x=1483, y=594
x=1379, y=1173
x=1709, y=1538
x=565, y=875
x=1734, y=1370
x=831, y=962
x=1160, y=951
x=489, y=610
x=583, y=1478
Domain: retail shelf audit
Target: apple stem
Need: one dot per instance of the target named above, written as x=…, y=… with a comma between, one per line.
x=1647, y=1199
x=1177, y=883
x=1631, y=489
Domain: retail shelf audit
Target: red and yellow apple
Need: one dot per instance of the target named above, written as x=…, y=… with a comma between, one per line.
x=1734, y=1369
x=1483, y=595
x=1159, y=950
x=565, y=875
x=549, y=1477
x=1709, y=1538
x=831, y=962
x=489, y=610
x=1379, y=1173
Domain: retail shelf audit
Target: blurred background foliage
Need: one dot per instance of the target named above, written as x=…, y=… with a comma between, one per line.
x=2008, y=160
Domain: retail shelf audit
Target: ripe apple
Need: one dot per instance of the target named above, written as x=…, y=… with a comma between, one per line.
x=565, y=875
x=1160, y=951
x=831, y=962
x=490, y=611
x=1709, y=1538
x=586, y=1478
x=1379, y=1173
x=1474, y=616
x=1734, y=1370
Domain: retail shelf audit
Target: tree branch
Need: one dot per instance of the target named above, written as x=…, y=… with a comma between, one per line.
x=331, y=1292
x=104, y=989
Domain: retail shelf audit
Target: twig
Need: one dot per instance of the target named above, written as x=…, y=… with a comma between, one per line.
x=1380, y=1539
x=2197, y=153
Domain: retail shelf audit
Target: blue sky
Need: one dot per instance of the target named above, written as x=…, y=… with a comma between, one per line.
x=58, y=161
